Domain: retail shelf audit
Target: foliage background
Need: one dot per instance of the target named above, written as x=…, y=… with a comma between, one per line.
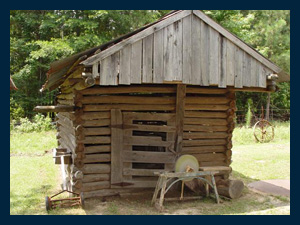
x=39, y=37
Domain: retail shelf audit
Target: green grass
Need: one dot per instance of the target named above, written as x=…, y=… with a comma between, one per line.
x=35, y=143
x=31, y=179
x=33, y=175
x=244, y=136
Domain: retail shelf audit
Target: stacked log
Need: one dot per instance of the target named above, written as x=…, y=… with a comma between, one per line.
x=208, y=125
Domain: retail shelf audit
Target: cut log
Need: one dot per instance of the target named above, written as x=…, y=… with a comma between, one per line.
x=58, y=108
x=230, y=188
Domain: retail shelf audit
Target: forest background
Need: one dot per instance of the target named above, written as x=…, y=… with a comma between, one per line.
x=40, y=37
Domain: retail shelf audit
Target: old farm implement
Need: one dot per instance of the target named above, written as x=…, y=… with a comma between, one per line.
x=61, y=157
x=52, y=203
x=263, y=130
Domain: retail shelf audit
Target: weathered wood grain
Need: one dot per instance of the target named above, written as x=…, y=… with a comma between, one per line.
x=147, y=75
x=136, y=63
x=94, y=158
x=127, y=100
x=97, y=149
x=96, y=168
x=125, y=56
x=187, y=49
x=116, y=147
x=148, y=157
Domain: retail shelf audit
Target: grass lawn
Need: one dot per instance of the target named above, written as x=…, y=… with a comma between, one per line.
x=33, y=175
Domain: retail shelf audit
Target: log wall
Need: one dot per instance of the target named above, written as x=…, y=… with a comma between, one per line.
x=148, y=128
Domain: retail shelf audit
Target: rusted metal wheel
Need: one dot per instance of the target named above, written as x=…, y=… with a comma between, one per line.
x=48, y=203
x=263, y=131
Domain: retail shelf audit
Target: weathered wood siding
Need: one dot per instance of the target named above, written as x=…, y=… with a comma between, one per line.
x=189, y=51
x=124, y=134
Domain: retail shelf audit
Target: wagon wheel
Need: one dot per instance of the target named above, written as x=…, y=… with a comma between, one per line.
x=263, y=131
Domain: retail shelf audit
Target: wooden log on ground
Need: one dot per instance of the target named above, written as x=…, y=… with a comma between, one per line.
x=230, y=188
x=58, y=108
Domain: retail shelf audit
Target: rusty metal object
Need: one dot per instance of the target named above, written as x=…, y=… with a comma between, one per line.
x=51, y=203
x=263, y=131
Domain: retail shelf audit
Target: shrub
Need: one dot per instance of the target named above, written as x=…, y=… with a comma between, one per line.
x=39, y=123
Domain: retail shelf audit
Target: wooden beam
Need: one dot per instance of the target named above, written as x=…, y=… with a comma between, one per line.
x=57, y=108
x=180, y=105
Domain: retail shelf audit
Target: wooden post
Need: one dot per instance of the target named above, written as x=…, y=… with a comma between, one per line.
x=116, y=146
x=268, y=107
x=180, y=105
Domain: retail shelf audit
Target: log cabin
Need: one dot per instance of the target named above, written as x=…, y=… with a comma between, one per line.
x=130, y=107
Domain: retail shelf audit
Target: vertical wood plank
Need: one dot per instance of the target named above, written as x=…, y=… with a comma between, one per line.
x=214, y=57
x=115, y=65
x=180, y=105
x=263, y=78
x=173, y=52
x=205, y=48
x=230, y=61
x=187, y=50
x=136, y=63
x=95, y=70
x=223, y=71
x=125, y=56
x=177, y=51
x=238, y=69
x=127, y=147
x=254, y=74
x=260, y=75
x=158, y=57
x=116, y=146
x=147, y=59
x=168, y=40
x=109, y=70
x=197, y=51
x=247, y=70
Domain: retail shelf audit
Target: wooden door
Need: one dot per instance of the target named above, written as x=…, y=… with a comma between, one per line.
x=141, y=144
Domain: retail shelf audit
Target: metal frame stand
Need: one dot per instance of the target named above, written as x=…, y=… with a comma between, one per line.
x=165, y=177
